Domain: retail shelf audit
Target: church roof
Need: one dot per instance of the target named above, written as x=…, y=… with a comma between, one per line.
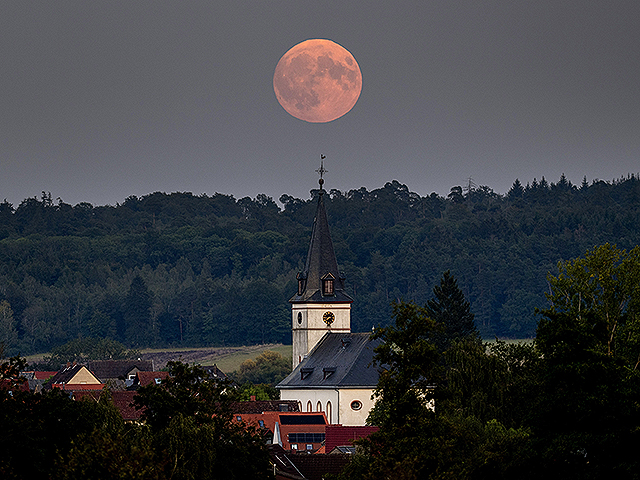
x=321, y=263
x=338, y=361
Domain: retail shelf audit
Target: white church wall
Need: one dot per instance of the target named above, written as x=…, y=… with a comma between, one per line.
x=355, y=405
x=313, y=396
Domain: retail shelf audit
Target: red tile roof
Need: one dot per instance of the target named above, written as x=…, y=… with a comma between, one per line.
x=150, y=378
x=338, y=435
x=316, y=467
x=123, y=401
x=288, y=423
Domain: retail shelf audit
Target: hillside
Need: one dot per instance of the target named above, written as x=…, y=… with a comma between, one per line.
x=191, y=271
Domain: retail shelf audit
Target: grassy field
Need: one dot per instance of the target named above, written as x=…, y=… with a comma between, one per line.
x=228, y=359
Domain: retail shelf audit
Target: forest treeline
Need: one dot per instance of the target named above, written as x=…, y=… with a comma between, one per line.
x=181, y=269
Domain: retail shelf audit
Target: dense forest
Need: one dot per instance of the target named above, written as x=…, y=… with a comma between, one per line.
x=180, y=269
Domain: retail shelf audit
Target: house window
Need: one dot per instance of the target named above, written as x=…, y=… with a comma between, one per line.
x=299, y=318
x=309, y=446
x=309, y=407
x=294, y=447
x=329, y=412
x=239, y=418
x=356, y=405
x=319, y=407
x=306, y=437
x=261, y=423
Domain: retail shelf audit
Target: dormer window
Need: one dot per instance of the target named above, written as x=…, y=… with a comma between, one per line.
x=302, y=283
x=327, y=285
x=305, y=372
x=328, y=371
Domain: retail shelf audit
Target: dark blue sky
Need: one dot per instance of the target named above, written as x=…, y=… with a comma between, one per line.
x=105, y=99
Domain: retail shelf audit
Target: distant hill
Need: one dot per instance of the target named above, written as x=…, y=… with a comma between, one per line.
x=183, y=270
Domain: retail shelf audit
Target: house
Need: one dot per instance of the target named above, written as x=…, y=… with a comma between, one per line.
x=122, y=400
x=333, y=371
x=215, y=373
x=118, y=374
x=298, y=431
x=260, y=406
x=295, y=466
x=337, y=437
x=142, y=379
x=75, y=377
x=11, y=385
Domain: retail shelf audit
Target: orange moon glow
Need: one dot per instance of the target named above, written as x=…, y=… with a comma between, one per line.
x=317, y=81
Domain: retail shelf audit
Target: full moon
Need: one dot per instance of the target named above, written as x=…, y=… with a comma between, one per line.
x=317, y=81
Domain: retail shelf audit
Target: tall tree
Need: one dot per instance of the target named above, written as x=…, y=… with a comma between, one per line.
x=137, y=314
x=191, y=422
x=450, y=308
x=590, y=341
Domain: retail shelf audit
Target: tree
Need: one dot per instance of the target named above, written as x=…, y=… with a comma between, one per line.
x=85, y=349
x=137, y=313
x=191, y=422
x=38, y=431
x=268, y=368
x=8, y=332
x=416, y=441
x=589, y=337
x=451, y=309
x=411, y=366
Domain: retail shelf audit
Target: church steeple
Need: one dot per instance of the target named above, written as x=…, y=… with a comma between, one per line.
x=321, y=281
x=320, y=305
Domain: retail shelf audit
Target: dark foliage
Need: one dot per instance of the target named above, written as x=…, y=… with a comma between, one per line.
x=219, y=271
x=564, y=407
x=189, y=434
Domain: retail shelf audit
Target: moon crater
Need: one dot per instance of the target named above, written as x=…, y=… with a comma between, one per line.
x=317, y=81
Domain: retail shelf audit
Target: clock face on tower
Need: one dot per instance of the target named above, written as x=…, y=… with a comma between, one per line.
x=328, y=318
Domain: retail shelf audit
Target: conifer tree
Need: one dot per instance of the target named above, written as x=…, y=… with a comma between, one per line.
x=450, y=308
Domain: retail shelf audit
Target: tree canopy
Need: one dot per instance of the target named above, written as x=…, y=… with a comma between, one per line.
x=565, y=406
x=193, y=270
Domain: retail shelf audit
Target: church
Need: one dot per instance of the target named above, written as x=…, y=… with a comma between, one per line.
x=332, y=367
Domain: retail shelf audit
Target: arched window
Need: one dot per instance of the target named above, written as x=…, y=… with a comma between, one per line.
x=309, y=407
x=319, y=407
x=329, y=412
x=299, y=406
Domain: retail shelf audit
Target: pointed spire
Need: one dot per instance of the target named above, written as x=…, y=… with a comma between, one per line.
x=321, y=265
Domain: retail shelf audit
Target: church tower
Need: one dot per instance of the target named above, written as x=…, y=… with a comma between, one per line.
x=321, y=304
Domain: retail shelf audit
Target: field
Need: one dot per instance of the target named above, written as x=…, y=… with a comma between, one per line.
x=228, y=359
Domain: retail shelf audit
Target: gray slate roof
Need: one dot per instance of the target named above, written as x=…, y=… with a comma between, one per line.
x=108, y=369
x=337, y=361
x=321, y=261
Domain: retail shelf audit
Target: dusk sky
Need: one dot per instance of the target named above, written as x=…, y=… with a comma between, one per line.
x=105, y=99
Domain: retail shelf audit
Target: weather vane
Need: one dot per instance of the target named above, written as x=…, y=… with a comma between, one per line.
x=321, y=170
